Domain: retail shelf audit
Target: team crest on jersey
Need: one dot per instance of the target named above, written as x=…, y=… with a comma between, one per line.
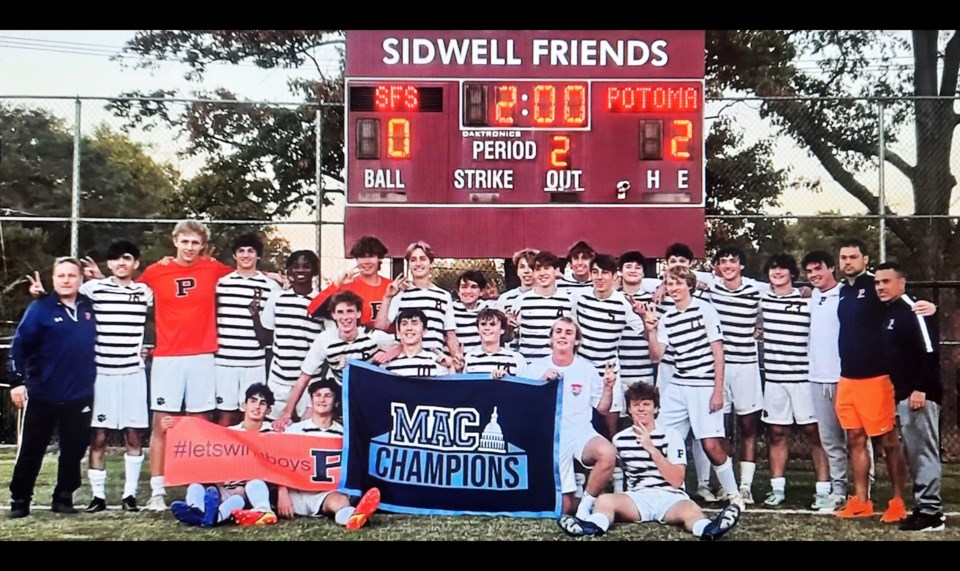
x=87, y=315
x=861, y=293
x=576, y=389
x=442, y=447
x=890, y=325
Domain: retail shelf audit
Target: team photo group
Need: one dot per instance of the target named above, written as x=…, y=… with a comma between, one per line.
x=650, y=368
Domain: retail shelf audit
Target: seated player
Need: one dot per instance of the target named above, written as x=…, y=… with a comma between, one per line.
x=414, y=360
x=209, y=506
x=491, y=357
x=325, y=402
x=654, y=460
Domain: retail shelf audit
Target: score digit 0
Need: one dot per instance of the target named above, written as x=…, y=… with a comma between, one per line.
x=398, y=139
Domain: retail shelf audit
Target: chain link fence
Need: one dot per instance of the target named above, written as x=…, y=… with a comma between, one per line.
x=76, y=173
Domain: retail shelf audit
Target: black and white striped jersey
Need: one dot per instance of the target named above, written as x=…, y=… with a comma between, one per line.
x=689, y=333
x=237, y=340
x=639, y=469
x=436, y=304
x=468, y=333
x=423, y=364
x=602, y=323
x=479, y=361
x=537, y=315
x=329, y=347
x=293, y=331
x=309, y=427
x=786, y=337
x=634, y=350
x=738, y=310
x=121, y=314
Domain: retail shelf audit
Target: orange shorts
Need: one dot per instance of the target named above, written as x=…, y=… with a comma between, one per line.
x=866, y=403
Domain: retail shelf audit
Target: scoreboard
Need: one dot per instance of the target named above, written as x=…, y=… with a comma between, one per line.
x=485, y=142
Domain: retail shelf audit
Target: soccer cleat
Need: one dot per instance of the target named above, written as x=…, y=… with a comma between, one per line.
x=129, y=504
x=96, y=505
x=156, y=504
x=895, y=511
x=735, y=499
x=724, y=521
x=704, y=493
x=820, y=502
x=918, y=521
x=185, y=513
x=577, y=527
x=19, y=508
x=747, y=495
x=856, y=508
x=248, y=518
x=774, y=498
x=211, y=507
x=365, y=508
x=834, y=502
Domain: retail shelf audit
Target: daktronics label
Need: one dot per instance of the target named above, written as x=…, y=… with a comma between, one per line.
x=489, y=121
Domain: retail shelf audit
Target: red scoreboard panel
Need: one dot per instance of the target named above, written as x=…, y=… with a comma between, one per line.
x=485, y=142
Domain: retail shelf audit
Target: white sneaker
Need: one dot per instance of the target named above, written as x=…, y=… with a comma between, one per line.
x=833, y=503
x=820, y=501
x=156, y=504
x=735, y=499
x=775, y=498
x=706, y=495
x=747, y=495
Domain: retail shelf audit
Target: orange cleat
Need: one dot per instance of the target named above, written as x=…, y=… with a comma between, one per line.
x=249, y=518
x=856, y=508
x=365, y=508
x=896, y=511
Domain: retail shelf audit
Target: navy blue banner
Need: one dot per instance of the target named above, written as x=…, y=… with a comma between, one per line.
x=453, y=445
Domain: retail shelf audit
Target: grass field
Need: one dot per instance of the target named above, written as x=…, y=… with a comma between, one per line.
x=757, y=524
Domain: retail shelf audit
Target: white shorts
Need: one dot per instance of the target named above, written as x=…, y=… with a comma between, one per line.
x=120, y=401
x=572, y=442
x=232, y=383
x=683, y=408
x=788, y=403
x=742, y=388
x=665, y=373
x=281, y=392
x=617, y=404
x=183, y=383
x=308, y=503
x=653, y=504
x=627, y=383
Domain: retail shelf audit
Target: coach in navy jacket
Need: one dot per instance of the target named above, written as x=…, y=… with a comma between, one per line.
x=52, y=365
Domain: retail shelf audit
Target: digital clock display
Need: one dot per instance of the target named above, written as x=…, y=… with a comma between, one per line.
x=527, y=105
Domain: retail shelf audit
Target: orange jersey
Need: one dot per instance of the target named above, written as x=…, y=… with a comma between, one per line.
x=185, y=305
x=372, y=297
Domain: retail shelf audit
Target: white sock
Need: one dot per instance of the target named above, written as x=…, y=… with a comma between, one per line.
x=701, y=463
x=778, y=484
x=586, y=505
x=258, y=495
x=228, y=505
x=195, y=496
x=699, y=526
x=727, y=480
x=747, y=469
x=98, y=483
x=156, y=486
x=602, y=521
x=131, y=474
x=343, y=515
x=823, y=488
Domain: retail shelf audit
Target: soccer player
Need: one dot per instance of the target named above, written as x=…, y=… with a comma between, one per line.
x=415, y=360
x=241, y=359
x=492, y=357
x=120, y=393
x=655, y=461
x=53, y=367
x=865, y=395
x=419, y=292
x=523, y=261
x=694, y=399
x=363, y=280
x=910, y=342
x=537, y=309
x=182, y=378
x=209, y=506
x=737, y=302
x=465, y=309
x=634, y=351
x=603, y=314
x=583, y=392
x=334, y=347
x=285, y=314
x=787, y=401
x=578, y=279
x=325, y=401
